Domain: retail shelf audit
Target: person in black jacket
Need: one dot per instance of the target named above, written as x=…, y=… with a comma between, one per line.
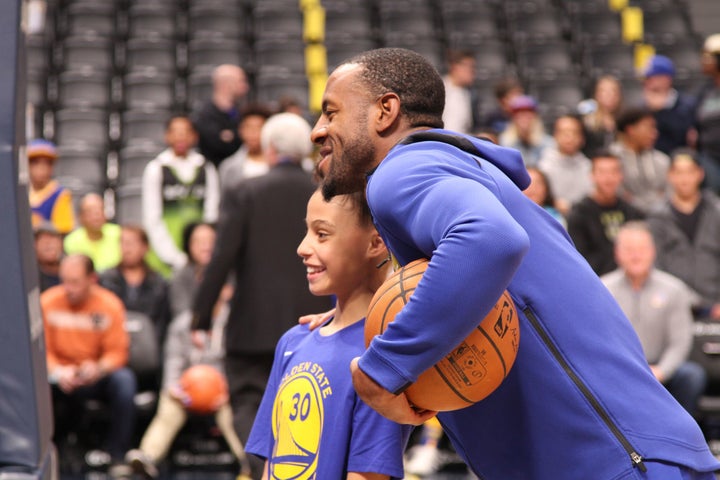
x=593, y=222
x=261, y=223
x=140, y=288
x=217, y=120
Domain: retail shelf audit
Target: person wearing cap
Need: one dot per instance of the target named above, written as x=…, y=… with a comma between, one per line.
x=707, y=119
x=49, y=201
x=525, y=131
x=674, y=112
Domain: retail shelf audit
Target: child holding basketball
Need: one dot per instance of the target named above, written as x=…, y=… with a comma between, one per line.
x=311, y=423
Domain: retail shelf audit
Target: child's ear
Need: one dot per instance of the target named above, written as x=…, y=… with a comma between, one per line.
x=377, y=248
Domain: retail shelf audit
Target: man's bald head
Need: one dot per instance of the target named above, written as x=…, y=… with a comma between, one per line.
x=230, y=79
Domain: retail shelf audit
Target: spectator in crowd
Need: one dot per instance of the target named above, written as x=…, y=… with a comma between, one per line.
x=460, y=106
x=198, y=245
x=505, y=90
x=248, y=161
x=342, y=252
x=48, y=252
x=594, y=222
x=708, y=113
x=687, y=232
x=659, y=308
x=49, y=201
x=644, y=167
x=540, y=191
x=180, y=354
x=674, y=111
x=599, y=114
x=566, y=167
x=259, y=228
x=178, y=187
x=97, y=238
x=87, y=350
x=140, y=288
x=217, y=120
x=525, y=131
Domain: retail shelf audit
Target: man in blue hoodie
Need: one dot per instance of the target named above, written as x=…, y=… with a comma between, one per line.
x=580, y=401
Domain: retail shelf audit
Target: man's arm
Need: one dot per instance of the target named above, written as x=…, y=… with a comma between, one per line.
x=475, y=247
x=230, y=237
x=679, y=325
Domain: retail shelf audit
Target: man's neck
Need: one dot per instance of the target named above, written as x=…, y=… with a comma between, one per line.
x=637, y=281
x=223, y=102
x=49, y=268
x=686, y=205
x=134, y=275
x=93, y=234
x=603, y=199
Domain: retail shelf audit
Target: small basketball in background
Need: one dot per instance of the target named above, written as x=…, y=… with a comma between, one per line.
x=473, y=369
x=205, y=388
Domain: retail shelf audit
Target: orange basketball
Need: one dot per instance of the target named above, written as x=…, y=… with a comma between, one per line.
x=205, y=387
x=472, y=370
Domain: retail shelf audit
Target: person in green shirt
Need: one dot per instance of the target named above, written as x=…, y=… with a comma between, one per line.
x=97, y=238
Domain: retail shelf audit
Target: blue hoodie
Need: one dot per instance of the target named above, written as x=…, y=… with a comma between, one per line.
x=580, y=401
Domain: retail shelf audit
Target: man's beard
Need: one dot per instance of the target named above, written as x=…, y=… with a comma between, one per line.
x=349, y=174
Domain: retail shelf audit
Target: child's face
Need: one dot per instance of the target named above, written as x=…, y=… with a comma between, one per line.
x=249, y=132
x=337, y=249
x=568, y=135
x=40, y=170
x=180, y=136
x=132, y=248
x=202, y=242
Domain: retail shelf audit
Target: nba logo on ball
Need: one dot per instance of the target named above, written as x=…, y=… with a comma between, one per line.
x=473, y=369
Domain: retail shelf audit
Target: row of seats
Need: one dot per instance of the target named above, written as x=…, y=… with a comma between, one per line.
x=106, y=75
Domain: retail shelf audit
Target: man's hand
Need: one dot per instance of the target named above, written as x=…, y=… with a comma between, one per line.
x=316, y=319
x=393, y=407
x=89, y=372
x=67, y=378
x=198, y=338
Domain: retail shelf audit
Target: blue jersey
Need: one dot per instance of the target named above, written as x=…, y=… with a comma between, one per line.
x=580, y=401
x=311, y=423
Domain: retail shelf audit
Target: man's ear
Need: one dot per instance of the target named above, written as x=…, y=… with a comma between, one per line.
x=388, y=112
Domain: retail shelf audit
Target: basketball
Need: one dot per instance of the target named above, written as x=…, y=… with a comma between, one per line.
x=205, y=387
x=472, y=370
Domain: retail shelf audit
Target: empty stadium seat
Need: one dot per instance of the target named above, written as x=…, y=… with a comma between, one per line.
x=37, y=54
x=597, y=25
x=530, y=22
x=143, y=126
x=80, y=168
x=84, y=51
x=270, y=85
x=133, y=159
x=545, y=61
x=347, y=17
x=153, y=18
x=665, y=26
x=216, y=19
x=280, y=53
x=341, y=46
x=93, y=17
x=557, y=97
x=272, y=18
x=128, y=203
x=199, y=88
x=84, y=88
x=616, y=59
x=149, y=88
x=429, y=47
x=406, y=16
x=211, y=52
x=461, y=18
x=150, y=53
x=81, y=126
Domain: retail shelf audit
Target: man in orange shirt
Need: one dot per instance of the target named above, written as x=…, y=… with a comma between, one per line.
x=87, y=350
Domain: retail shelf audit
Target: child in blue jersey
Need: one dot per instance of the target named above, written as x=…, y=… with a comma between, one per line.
x=311, y=423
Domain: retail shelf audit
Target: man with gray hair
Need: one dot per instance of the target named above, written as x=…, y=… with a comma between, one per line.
x=261, y=223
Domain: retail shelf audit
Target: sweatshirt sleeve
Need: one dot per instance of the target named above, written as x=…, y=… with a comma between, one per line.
x=63, y=214
x=474, y=246
x=152, y=207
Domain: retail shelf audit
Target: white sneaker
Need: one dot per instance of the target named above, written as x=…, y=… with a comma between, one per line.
x=423, y=460
x=141, y=463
